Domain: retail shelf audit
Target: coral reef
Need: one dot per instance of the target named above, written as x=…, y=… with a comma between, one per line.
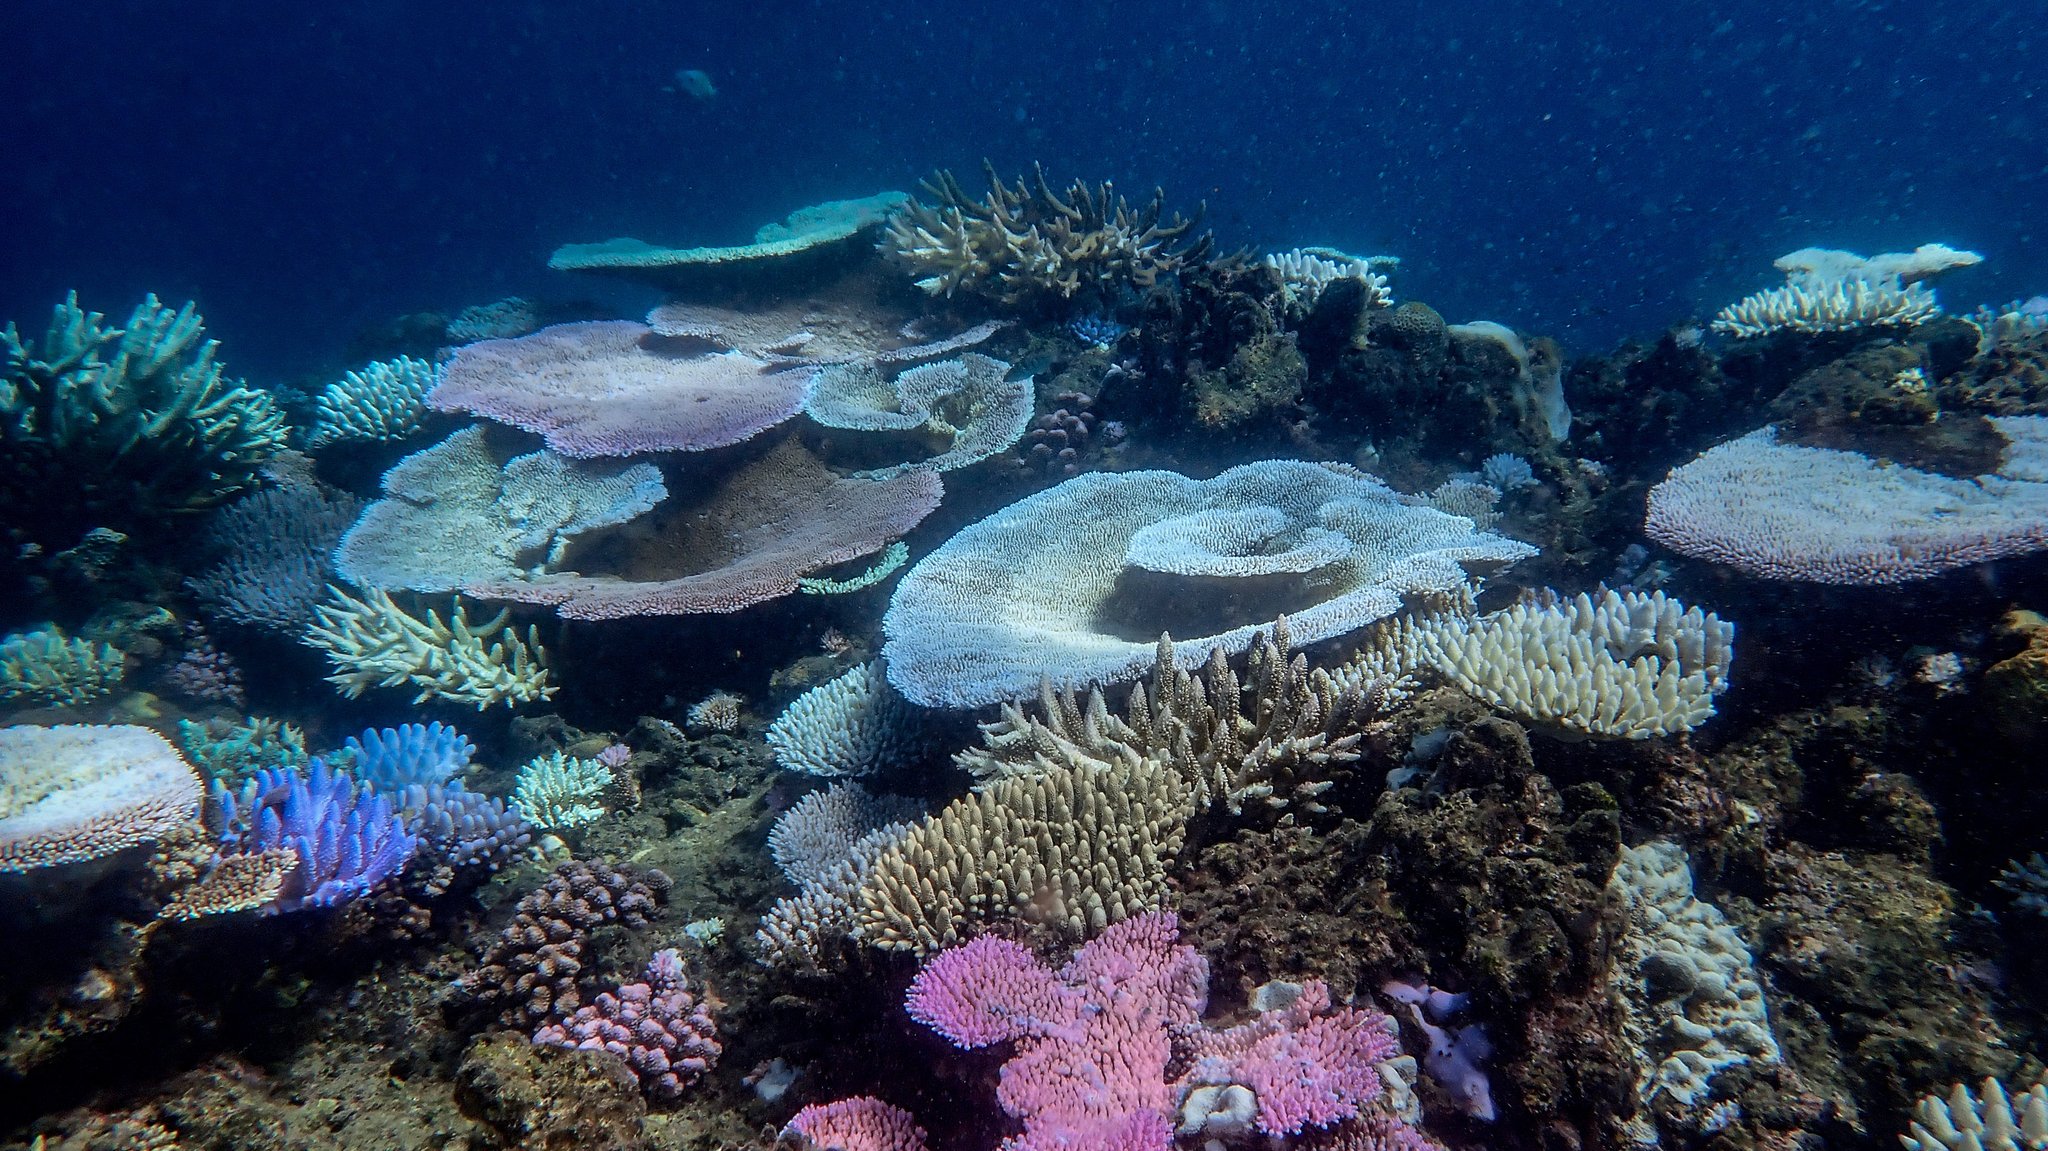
x=826, y=844
x=973, y=404
x=1831, y=291
x=276, y=549
x=372, y=642
x=45, y=667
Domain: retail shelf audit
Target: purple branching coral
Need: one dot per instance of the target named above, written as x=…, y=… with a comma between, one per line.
x=533, y=972
x=663, y=1033
x=346, y=840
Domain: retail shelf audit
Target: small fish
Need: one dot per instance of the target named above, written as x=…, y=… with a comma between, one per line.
x=696, y=84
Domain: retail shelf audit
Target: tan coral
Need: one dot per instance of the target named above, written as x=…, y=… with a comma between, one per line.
x=238, y=883
x=1272, y=738
x=1078, y=848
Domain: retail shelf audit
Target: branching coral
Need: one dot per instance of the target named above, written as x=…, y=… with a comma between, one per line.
x=1272, y=738
x=1024, y=244
x=375, y=643
x=47, y=668
x=139, y=419
x=381, y=401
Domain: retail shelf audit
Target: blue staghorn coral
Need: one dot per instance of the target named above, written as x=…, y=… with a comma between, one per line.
x=346, y=840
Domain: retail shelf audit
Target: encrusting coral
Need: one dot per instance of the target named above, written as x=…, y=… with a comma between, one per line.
x=1029, y=245
x=375, y=643
x=140, y=417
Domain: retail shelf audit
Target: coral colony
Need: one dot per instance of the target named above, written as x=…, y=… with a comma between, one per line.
x=1244, y=709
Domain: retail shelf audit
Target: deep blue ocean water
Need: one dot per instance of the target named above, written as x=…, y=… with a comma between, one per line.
x=1587, y=171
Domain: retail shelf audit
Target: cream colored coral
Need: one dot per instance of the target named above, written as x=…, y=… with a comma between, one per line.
x=82, y=791
x=1626, y=665
x=1271, y=739
x=1994, y=1122
x=1078, y=847
x=375, y=643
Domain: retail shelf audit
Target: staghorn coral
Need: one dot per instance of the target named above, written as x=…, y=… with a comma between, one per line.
x=45, y=668
x=372, y=642
x=1076, y=848
x=1029, y=245
x=533, y=972
x=1783, y=511
x=855, y=724
x=770, y=523
x=141, y=411
x=378, y=402
x=277, y=555
x=1271, y=740
x=666, y=1036
x=613, y=388
x=454, y=515
x=1627, y=665
x=556, y=792
x=1033, y=591
x=77, y=792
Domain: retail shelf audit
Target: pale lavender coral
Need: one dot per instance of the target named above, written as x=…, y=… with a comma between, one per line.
x=664, y=1034
x=1094, y=1041
x=1454, y=1053
x=206, y=673
x=614, y=388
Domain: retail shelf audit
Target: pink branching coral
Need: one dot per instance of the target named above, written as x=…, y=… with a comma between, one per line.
x=862, y=1123
x=663, y=1033
x=1094, y=1041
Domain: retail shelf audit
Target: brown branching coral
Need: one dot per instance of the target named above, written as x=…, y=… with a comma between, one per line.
x=1020, y=245
x=1270, y=738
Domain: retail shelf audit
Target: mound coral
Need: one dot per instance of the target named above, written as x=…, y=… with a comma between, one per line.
x=1784, y=511
x=769, y=524
x=76, y=792
x=1022, y=596
x=1028, y=245
x=666, y=1036
x=614, y=388
x=454, y=515
x=140, y=417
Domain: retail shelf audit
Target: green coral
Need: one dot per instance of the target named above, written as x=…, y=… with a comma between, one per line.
x=45, y=667
x=137, y=420
x=893, y=557
x=556, y=791
x=229, y=751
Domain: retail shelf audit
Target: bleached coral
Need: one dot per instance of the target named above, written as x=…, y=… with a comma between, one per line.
x=719, y=711
x=1828, y=290
x=825, y=845
x=893, y=557
x=971, y=402
x=453, y=516
x=45, y=667
x=1786, y=511
x=853, y=725
x=380, y=401
x=374, y=643
x=555, y=791
x=1991, y=1121
x=1305, y=272
x=1692, y=1004
x=1626, y=665
x=1023, y=595
x=77, y=792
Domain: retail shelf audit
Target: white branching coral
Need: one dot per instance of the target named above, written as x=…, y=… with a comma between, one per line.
x=1305, y=272
x=556, y=791
x=1626, y=665
x=380, y=401
x=853, y=725
x=1993, y=1121
x=825, y=845
x=375, y=643
x=1827, y=290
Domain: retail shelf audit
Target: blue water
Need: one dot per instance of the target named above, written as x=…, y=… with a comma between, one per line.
x=1589, y=171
